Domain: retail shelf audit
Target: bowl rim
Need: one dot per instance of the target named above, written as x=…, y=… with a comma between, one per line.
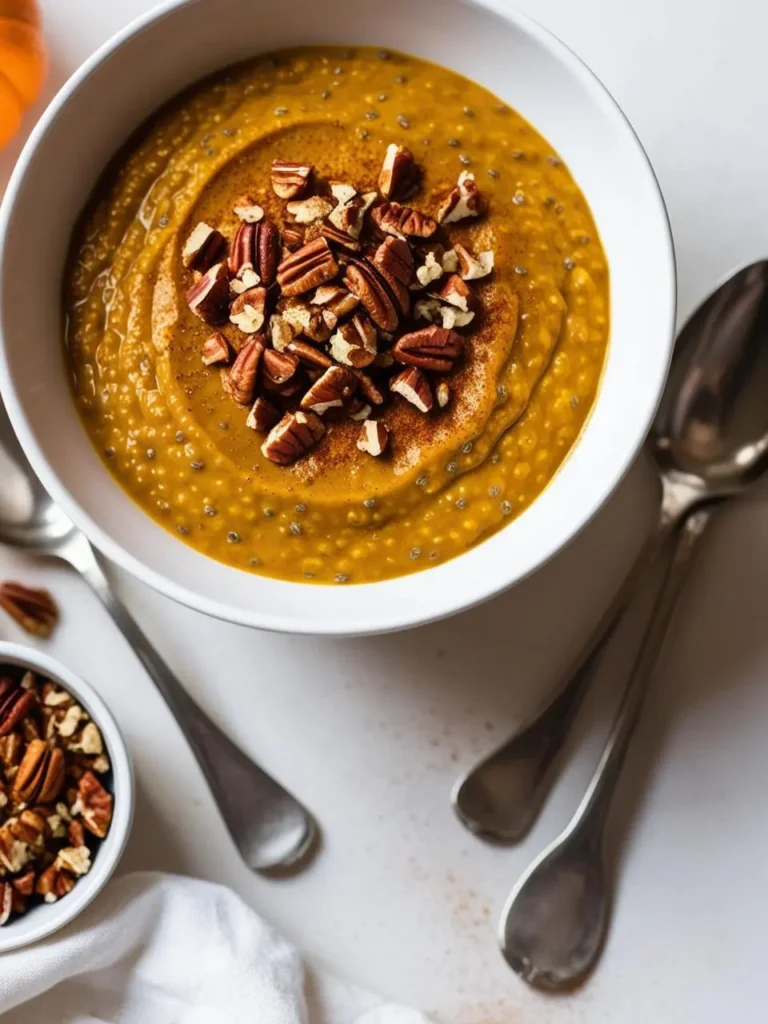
x=55, y=916
x=388, y=617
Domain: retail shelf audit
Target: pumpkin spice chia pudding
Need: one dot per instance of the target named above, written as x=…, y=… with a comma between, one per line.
x=336, y=315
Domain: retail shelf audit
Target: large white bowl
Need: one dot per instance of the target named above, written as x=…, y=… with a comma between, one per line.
x=46, y=918
x=148, y=63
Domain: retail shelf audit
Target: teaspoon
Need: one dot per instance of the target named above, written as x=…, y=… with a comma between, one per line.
x=270, y=828
x=500, y=798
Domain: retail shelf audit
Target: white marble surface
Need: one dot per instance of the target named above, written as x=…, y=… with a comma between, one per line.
x=371, y=733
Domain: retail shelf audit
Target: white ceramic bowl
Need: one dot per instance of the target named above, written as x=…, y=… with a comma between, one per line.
x=148, y=63
x=45, y=918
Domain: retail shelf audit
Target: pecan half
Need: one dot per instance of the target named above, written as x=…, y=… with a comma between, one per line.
x=215, y=349
x=373, y=437
x=471, y=266
x=34, y=610
x=354, y=344
x=394, y=261
x=278, y=370
x=93, y=805
x=431, y=348
x=335, y=298
x=338, y=239
x=330, y=391
x=465, y=200
x=208, y=298
x=306, y=211
x=364, y=281
x=309, y=354
x=15, y=703
x=248, y=310
x=312, y=265
x=289, y=180
x=400, y=221
x=40, y=775
x=454, y=291
x=240, y=381
x=268, y=252
x=413, y=386
x=293, y=437
x=400, y=175
x=243, y=251
x=204, y=247
x=248, y=210
x=263, y=416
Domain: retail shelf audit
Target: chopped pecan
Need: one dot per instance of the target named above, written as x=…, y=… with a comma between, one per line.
x=473, y=266
x=93, y=805
x=394, y=261
x=306, y=211
x=373, y=437
x=433, y=310
x=368, y=389
x=431, y=348
x=268, y=252
x=413, y=385
x=248, y=310
x=40, y=775
x=454, y=291
x=349, y=215
x=263, y=416
x=281, y=333
x=339, y=239
x=6, y=902
x=11, y=747
x=240, y=381
x=400, y=176
x=354, y=344
x=316, y=324
x=293, y=436
x=76, y=859
x=335, y=298
x=208, y=298
x=465, y=200
x=309, y=354
x=357, y=409
x=364, y=281
x=312, y=265
x=402, y=221
x=243, y=251
x=442, y=394
x=25, y=884
x=330, y=391
x=431, y=270
x=289, y=180
x=293, y=237
x=76, y=833
x=246, y=278
x=248, y=210
x=54, y=883
x=34, y=610
x=204, y=247
x=29, y=827
x=215, y=349
x=15, y=703
x=277, y=372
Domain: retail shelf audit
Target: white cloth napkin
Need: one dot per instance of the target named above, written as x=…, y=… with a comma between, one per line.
x=161, y=949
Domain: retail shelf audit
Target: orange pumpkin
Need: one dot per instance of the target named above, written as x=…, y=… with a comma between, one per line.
x=22, y=62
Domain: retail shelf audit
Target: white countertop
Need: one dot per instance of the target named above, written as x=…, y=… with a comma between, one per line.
x=371, y=733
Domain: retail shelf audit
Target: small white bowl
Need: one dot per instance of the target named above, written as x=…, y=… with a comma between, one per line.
x=179, y=42
x=45, y=918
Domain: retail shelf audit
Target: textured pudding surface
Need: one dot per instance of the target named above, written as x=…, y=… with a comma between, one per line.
x=519, y=396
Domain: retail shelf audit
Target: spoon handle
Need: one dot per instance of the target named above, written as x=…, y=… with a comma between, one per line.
x=270, y=827
x=592, y=812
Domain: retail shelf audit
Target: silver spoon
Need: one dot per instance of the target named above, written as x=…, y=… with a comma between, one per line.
x=554, y=925
x=500, y=798
x=269, y=826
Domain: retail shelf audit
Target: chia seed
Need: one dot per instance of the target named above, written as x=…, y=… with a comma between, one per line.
x=229, y=132
x=466, y=448
x=338, y=71
x=364, y=133
x=180, y=439
x=197, y=466
x=151, y=453
x=371, y=115
x=223, y=426
x=461, y=504
x=383, y=97
x=401, y=79
x=468, y=112
x=301, y=508
x=555, y=161
x=453, y=142
x=494, y=492
x=518, y=198
x=451, y=467
x=506, y=507
x=574, y=401
x=492, y=173
x=254, y=561
x=521, y=271
x=584, y=240
x=370, y=503
x=341, y=577
x=501, y=392
x=210, y=511
x=183, y=530
x=549, y=200
x=517, y=154
x=560, y=208
x=309, y=575
x=295, y=529
x=281, y=111
x=325, y=94
x=269, y=513
x=495, y=458
x=568, y=263
x=415, y=553
x=163, y=221
x=433, y=555
x=209, y=151
x=233, y=537
x=403, y=121
x=109, y=452
x=383, y=54
x=421, y=482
